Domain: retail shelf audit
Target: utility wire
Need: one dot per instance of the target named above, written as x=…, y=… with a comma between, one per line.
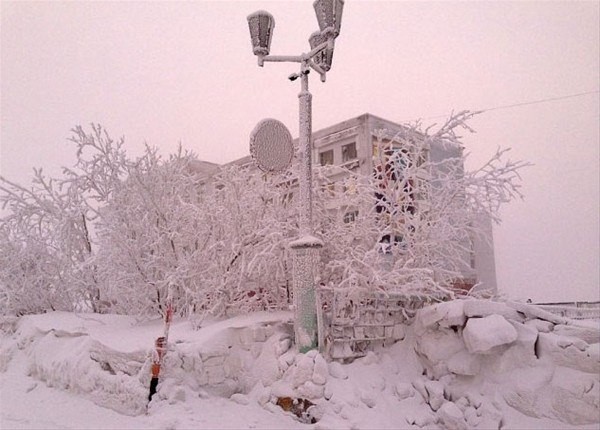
x=549, y=99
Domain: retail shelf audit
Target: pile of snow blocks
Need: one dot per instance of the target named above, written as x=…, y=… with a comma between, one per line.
x=538, y=363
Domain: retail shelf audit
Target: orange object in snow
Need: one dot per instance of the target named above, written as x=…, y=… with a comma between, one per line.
x=160, y=352
x=161, y=348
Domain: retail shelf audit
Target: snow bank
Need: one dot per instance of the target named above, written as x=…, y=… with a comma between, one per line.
x=460, y=365
x=64, y=352
x=542, y=365
x=482, y=335
x=107, y=358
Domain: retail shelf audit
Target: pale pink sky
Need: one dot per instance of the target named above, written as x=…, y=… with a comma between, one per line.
x=165, y=72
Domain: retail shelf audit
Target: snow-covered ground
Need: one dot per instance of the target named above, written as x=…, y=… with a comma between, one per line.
x=463, y=364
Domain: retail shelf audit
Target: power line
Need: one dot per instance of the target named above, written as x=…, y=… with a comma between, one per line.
x=546, y=100
x=550, y=99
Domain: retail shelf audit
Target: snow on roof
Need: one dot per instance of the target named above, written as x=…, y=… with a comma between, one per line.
x=203, y=167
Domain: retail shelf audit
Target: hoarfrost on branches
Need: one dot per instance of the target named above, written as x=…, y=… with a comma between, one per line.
x=415, y=219
x=113, y=232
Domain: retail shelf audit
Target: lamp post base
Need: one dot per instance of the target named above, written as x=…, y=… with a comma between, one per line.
x=305, y=263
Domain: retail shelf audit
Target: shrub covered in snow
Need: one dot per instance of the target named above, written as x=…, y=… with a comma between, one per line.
x=113, y=233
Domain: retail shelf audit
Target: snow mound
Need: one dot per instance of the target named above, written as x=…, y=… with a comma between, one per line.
x=482, y=335
x=63, y=352
x=544, y=366
x=465, y=364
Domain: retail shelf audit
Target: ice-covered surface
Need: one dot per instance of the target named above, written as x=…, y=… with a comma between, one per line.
x=64, y=370
x=481, y=335
x=511, y=355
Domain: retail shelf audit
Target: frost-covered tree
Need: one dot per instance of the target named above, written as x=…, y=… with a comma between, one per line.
x=49, y=247
x=220, y=242
x=30, y=277
x=113, y=234
x=251, y=222
x=44, y=248
x=414, y=220
x=147, y=228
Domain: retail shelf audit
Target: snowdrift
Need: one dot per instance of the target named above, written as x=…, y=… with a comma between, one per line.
x=461, y=365
x=513, y=354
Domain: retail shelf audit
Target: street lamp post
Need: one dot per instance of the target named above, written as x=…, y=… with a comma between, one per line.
x=305, y=249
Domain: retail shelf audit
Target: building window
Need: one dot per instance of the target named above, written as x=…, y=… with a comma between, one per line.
x=388, y=242
x=349, y=152
x=350, y=217
x=287, y=199
x=326, y=157
x=395, y=164
x=331, y=188
x=399, y=162
x=328, y=188
x=349, y=186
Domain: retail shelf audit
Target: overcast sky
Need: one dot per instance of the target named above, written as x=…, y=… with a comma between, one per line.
x=169, y=72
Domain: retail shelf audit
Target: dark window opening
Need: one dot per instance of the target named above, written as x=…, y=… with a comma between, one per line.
x=349, y=152
x=326, y=157
x=350, y=217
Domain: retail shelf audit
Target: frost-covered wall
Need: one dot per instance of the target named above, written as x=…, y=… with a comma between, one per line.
x=357, y=322
x=440, y=153
x=574, y=310
x=484, y=258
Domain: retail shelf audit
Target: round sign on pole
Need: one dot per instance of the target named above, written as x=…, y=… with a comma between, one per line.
x=271, y=146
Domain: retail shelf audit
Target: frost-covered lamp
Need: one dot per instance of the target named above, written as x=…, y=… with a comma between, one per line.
x=305, y=249
x=322, y=59
x=329, y=15
x=261, y=24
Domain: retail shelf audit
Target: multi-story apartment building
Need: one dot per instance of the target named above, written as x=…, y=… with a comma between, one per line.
x=355, y=145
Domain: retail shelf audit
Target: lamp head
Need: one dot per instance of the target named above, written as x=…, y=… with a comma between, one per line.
x=329, y=15
x=261, y=24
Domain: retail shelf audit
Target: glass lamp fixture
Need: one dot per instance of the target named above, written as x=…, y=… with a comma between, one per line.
x=329, y=15
x=261, y=24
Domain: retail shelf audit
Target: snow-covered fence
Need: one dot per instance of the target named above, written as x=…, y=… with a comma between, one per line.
x=352, y=322
x=576, y=310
